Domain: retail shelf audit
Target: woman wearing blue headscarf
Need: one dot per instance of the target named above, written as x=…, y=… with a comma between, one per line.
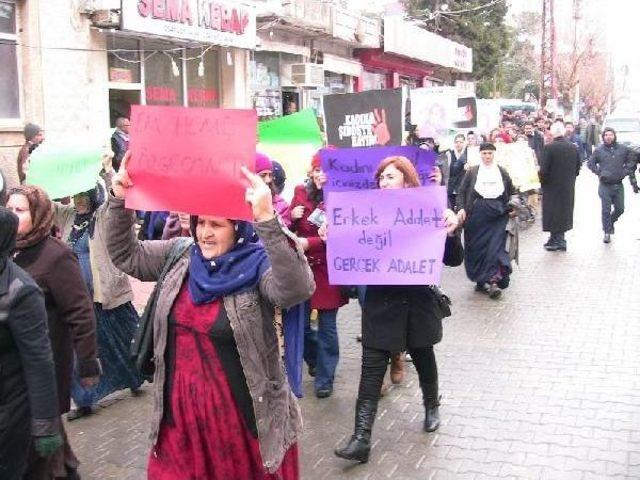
x=222, y=405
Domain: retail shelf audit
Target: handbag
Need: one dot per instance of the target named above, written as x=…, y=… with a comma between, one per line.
x=141, y=350
x=454, y=251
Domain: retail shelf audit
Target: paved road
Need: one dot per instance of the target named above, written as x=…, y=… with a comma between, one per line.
x=542, y=384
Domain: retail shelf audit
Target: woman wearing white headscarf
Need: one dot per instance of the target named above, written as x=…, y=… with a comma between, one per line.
x=484, y=205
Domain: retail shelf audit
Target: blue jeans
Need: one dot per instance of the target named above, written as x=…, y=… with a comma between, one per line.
x=321, y=347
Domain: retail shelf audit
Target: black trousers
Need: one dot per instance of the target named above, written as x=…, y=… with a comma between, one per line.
x=374, y=366
x=611, y=195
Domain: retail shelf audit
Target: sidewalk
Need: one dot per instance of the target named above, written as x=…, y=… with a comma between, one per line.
x=542, y=384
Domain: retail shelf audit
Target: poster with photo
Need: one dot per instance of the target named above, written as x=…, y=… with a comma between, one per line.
x=364, y=119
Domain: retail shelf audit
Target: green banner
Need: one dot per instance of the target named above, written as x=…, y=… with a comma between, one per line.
x=64, y=171
x=300, y=127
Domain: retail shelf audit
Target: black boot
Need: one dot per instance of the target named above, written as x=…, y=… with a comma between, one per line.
x=360, y=443
x=431, y=403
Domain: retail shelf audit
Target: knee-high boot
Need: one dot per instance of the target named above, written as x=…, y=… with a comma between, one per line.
x=431, y=403
x=359, y=445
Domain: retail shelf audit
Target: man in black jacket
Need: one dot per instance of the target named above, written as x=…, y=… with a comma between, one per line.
x=120, y=141
x=535, y=140
x=612, y=162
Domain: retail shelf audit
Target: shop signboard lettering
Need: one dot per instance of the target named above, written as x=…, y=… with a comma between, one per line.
x=386, y=237
x=188, y=160
x=120, y=75
x=364, y=119
x=218, y=22
x=354, y=168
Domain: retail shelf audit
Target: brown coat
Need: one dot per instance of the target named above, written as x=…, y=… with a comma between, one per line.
x=287, y=282
x=72, y=324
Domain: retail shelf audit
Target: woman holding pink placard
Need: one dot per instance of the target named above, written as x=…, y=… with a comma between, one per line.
x=395, y=319
x=223, y=408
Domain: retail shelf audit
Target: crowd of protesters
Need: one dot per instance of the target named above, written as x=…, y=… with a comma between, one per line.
x=238, y=306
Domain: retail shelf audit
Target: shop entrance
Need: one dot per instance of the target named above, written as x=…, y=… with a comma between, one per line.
x=290, y=101
x=120, y=102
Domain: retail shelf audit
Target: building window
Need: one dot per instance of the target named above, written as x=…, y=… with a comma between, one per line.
x=9, y=80
x=202, y=82
x=163, y=79
x=124, y=60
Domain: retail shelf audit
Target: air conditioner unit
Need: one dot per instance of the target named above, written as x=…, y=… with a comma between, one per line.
x=307, y=75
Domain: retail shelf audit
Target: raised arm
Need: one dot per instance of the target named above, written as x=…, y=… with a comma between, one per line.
x=142, y=259
x=289, y=280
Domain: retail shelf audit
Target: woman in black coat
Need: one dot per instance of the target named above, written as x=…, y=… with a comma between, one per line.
x=28, y=401
x=396, y=319
x=485, y=202
x=70, y=316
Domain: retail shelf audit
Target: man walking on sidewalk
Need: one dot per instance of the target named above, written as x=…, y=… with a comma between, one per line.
x=558, y=171
x=612, y=162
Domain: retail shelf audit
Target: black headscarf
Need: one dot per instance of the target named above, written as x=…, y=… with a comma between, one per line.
x=8, y=233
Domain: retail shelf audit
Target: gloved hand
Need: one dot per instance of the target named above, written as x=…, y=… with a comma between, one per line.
x=46, y=446
x=635, y=187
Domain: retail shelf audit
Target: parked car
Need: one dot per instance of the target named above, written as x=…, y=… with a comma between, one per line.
x=627, y=127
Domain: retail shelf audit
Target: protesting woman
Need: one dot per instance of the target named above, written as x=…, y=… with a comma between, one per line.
x=398, y=318
x=222, y=406
x=265, y=170
x=28, y=398
x=484, y=206
x=290, y=322
x=70, y=317
x=321, y=347
x=82, y=227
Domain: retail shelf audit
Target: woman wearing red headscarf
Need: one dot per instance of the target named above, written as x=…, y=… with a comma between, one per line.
x=321, y=348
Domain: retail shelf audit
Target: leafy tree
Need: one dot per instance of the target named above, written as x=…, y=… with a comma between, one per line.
x=467, y=22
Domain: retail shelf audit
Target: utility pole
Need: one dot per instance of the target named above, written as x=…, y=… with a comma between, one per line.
x=576, y=94
x=548, y=84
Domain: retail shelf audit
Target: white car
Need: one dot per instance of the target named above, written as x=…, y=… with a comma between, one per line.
x=627, y=128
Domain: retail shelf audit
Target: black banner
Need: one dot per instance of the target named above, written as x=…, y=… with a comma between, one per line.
x=364, y=119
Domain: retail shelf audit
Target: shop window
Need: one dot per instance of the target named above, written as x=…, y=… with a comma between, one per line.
x=9, y=80
x=163, y=75
x=265, y=84
x=203, y=88
x=124, y=60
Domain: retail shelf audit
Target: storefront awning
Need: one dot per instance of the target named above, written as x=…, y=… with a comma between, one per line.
x=346, y=66
x=389, y=62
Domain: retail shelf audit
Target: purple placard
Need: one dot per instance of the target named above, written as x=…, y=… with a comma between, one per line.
x=354, y=168
x=386, y=237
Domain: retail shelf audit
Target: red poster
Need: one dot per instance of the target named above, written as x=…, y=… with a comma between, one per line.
x=188, y=160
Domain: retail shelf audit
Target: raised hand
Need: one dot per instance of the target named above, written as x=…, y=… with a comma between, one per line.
x=121, y=180
x=259, y=196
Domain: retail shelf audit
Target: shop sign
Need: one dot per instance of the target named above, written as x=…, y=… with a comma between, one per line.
x=218, y=22
x=120, y=75
x=310, y=13
x=404, y=38
x=466, y=88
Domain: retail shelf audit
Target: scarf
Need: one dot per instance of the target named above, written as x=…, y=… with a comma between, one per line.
x=8, y=233
x=83, y=222
x=236, y=271
x=41, y=210
x=489, y=182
